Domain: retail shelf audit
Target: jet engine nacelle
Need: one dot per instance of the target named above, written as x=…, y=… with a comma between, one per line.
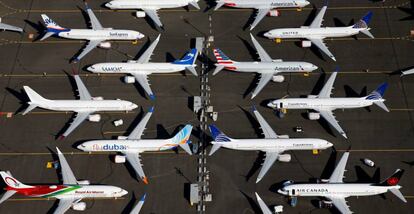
x=278, y=78
x=84, y=182
x=284, y=158
x=119, y=159
x=122, y=137
x=97, y=98
x=129, y=79
x=314, y=116
x=94, y=118
x=273, y=13
x=312, y=96
x=283, y=136
x=140, y=14
x=306, y=44
x=105, y=45
x=80, y=206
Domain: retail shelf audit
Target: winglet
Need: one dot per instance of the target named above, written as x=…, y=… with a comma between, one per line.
x=61, y=137
x=152, y=97
x=254, y=108
x=151, y=109
x=367, y=17
x=325, y=3
x=143, y=197
x=145, y=180
x=86, y=5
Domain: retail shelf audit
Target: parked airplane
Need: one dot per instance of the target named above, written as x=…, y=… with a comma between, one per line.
x=133, y=145
x=70, y=193
x=323, y=104
x=315, y=34
x=150, y=8
x=141, y=68
x=263, y=7
x=268, y=68
x=274, y=145
x=9, y=27
x=138, y=207
x=84, y=107
x=336, y=191
x=98, y=36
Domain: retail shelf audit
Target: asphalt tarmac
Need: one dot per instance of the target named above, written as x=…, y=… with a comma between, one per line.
x=26, y=142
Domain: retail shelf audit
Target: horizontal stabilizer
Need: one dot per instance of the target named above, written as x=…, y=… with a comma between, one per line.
x=215, y=147
x=30, y=108
x=192, y=70
x=219, y=4
x=397, y=193
x=382, y=105
x=47, y=35
x=218, y=69
x=366, y=32
x=186, y=147
x=7, y=195
x=195, y=4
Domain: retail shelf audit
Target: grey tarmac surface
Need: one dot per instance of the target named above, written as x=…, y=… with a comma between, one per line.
x=386, y=138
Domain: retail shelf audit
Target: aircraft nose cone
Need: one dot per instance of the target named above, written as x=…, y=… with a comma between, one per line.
x=81, y=147
x=124, y=192
x=134, y=106
x=267, y=34
x=280, y=191
x=306, y=3
x=108, y=5
x=140, y=36
x=90, y=68
x=329, y=144
x=271, y=105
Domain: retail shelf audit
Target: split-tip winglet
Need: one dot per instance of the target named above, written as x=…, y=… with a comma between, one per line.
x=151, y=109
x=61, y=137
x=152, y=97
x=143, y=197
x=254, y=108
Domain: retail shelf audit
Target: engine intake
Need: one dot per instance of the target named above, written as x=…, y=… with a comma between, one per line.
x=284, y=158
x=314, y=116
x=105, y=45
x=278, y=78
x=80, y=206
x=94, y=118
x=273, y=13
x=119, y=159
x=306, y=44
x=84, y=182
x=129, y=79
x=140, y=14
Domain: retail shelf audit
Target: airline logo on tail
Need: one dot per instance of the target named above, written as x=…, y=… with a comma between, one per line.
x=221, y=57
x=11, y=182
x=378, y=93
x=218, y=135
x=52, y=25
x=393, y=181
x=183, y=136
x=363, y=23
x=188, y=59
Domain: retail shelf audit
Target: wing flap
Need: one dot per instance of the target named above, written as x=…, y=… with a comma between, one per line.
x=264, y=79
x=133, y=159
x=88, y=48
x=142, y=79
x=271, y=157
x=137, y=132
x=322, y=46
x=146, y=56
x=152, y=13
x=64, y=205
x=83, y=91
x=340, y=204
x=264, y=57
x=67, y=175
x=261, y=13
x=79, y=118
x=327, y=88
x=330, y=118
x=338, y=174
x=317, y=22
x=267, y=130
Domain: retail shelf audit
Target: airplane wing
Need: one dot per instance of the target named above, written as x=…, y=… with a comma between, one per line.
x=264, y=79
x=271, y=157
x=96, y=25
x=80, y=117
x=133, y=159
x=83, y=91
x=264, y=57
x=152, y=13
x=263, y=206
x=317, y=22
x=338, y=173
x=64, y=205
x=138, y=207
x=146, y=56
x=67, y=174
x=322, y=46
x=10, y=27
x=340, y=204
x=327, y=88
x=142, y=79
x=261, y=13
x=328, y=116
x=267, y=130
x=137, y=132
x=89, y=47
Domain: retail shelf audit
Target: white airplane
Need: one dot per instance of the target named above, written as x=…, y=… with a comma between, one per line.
x=268, y=68
x=9, y=27
x=273, y=145
x=141, y=68
x=98, y=36
x=149, y=8
x=139, y=205
x=336, y=191
x=133, y=145
x=263, y=7
x=323, y=104
x=70, y=193
x=315, y=34
x=84, y=107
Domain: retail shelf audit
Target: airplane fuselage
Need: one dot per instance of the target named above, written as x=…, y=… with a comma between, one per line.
x=157, y=4
x=322, y=103
x=333, y=189
x=105, y=34
x=127, y=145
x=272, y=67
x=87, y=105
x=140, y=68
x=71, y=191
x=306, y=32
x=265, y=3
x=275, y=144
